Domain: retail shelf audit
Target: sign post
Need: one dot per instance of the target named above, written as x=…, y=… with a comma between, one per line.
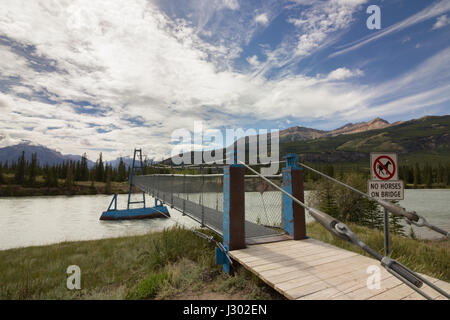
x=384, y=185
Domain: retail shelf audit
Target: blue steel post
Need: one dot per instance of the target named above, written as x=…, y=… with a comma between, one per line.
x=233, y=210
x=293, y=213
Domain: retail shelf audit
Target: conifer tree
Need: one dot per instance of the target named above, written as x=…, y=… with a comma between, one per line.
x=19, y=177
x=121, y=170
x=33, y=169
x=84, y=168
x=417, y=175
x=99, y=169
x=69, y=178
x=108, y=188
x=2, y=179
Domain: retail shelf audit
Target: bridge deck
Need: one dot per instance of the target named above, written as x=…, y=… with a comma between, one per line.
x=311, y=269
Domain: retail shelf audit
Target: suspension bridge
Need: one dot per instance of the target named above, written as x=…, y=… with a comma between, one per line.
x=261, y=220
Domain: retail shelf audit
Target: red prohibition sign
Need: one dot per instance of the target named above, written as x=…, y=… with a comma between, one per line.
x=379, y=167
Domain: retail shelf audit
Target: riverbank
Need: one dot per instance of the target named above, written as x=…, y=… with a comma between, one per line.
x=85, y=188
x=173, y=264
x=79, y=188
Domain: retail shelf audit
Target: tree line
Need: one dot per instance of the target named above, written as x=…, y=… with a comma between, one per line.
x=415, y=175
x=25, y=172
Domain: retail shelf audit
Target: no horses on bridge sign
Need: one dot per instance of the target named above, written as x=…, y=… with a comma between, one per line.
x=384, y=171
x=383, y=166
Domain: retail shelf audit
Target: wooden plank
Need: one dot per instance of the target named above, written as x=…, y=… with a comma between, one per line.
x=310, y=269
x=289, y=256
x=306, y=289
x=397, y=292
x=334, y=278
x=306, y=262
x=318, y=271
x=277, y=254
x=324, y=269
x=321, y=295
x=362, y=292
x=270, y=239
x=428, y=290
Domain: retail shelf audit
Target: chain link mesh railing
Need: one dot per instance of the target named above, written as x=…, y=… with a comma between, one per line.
x=201, y=198
x=263, y=202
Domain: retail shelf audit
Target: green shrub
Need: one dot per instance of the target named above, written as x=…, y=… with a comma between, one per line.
x=149, y=287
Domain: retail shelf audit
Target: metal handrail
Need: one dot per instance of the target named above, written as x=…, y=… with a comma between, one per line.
x=342, y=231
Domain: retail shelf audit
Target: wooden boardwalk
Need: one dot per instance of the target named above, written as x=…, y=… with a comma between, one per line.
x=311, y=269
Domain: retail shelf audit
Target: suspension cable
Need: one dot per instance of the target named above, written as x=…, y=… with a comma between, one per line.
x=411, y=217
x=342, y=231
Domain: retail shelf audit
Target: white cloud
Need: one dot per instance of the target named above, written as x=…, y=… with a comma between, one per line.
x=344, y=73
x=253, y=60
x=441, y=22
x=131, y=61
x=262, y=18
x=231, y=4
x=319, y=24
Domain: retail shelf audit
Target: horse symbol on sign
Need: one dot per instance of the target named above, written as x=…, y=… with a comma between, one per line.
x=382, y=167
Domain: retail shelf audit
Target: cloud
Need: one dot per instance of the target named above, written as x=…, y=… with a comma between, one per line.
x=429, y=12
x=344, y=73
x=253, y=60
x=262, y=18
x=441, y=22
x=231, y=4
x=146, y=73
x=317, y=25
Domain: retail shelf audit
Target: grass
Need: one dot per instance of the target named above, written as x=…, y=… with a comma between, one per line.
x=163, y=265
x=424, y=256
x=172, y=264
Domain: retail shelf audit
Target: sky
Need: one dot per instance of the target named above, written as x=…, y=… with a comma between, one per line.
x=105, y=76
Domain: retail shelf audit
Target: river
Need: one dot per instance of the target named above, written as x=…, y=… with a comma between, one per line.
x=45, y=220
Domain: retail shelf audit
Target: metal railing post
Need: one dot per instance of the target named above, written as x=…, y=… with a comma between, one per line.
x=233, y=209
x=293, y=214
x=387, y=244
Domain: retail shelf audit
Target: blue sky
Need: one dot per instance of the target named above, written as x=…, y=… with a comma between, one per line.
x=83, y=76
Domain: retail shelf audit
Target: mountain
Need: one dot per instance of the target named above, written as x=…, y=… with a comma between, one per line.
x=44, y=154
x=349, y=128
x=424, y=139
x=419, y=140
x=115, y=163
x=302, y=133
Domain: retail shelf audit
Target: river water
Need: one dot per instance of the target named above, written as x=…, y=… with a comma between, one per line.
x=46, y=220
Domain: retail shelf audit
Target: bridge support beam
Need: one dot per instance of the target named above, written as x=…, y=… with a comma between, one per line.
x=293, y=214
x=233, y=209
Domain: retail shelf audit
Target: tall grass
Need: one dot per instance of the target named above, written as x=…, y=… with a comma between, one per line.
x=169, y=264
x=424, y=256
x=106, y=265
x=157, y=265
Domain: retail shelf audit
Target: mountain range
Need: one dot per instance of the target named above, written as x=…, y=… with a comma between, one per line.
x=418, y=140
x=424, y=139
x=46, y=155
x=302, y=133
